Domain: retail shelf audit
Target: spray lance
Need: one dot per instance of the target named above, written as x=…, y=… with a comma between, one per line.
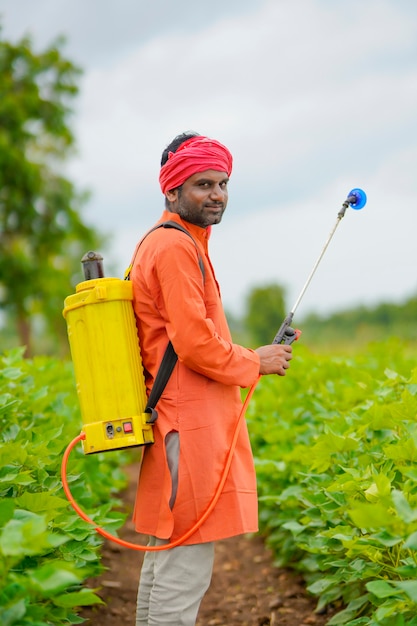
x=109, y=374
x=356, y=199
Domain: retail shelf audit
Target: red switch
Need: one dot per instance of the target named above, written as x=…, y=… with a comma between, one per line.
x=127, y=427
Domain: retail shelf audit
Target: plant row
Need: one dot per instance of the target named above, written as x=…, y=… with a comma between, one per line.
x=336, y=449
x=47, y=553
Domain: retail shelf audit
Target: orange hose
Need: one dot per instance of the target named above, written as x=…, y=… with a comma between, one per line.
x=173, y=544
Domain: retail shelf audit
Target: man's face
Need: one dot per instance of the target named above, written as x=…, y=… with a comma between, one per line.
x=202, y=198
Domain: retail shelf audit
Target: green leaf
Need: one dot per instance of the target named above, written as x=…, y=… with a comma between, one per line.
x=391, y=608
x=409, y=587
x=17, y=478
x=42, y=502
x=387, y=539
x=85, y=597
x=11, y=373
x=411, y=541
x=327, y=445
x=6, y=510
x=403, y=508
x=370, y=516
x=27, y=535
x=13, y=453
x=13, y=613
x=381, y=589
x=294, y=527
x=319, y=586
x=344, y=617
x=379, y=488
x=7, y=402
x=401, y=451
x=391, y=374
x=54, y=577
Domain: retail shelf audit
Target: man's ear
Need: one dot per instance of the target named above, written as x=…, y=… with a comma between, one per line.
x=172, y=196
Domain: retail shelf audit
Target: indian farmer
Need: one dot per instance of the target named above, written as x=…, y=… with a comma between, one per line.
x=177, y=299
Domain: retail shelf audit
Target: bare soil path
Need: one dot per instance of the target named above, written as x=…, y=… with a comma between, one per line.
x=246, y=589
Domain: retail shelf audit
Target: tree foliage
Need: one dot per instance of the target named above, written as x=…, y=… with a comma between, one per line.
x=350, y=327
x=363, y=324
x=265, y=310
x=42, y=236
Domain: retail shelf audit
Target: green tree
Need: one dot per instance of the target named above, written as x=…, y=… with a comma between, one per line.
x=265, y=311
x=42, y=236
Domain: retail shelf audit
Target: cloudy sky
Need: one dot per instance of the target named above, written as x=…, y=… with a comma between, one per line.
x=313, y=98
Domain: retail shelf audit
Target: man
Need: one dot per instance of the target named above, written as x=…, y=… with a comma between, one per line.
x=197, y=414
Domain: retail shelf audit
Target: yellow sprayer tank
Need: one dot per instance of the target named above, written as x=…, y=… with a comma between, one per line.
x=107, y=363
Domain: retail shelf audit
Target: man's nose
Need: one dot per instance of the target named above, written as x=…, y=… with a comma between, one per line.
x=217, y=193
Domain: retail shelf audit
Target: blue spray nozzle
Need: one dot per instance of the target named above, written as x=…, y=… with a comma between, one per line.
x=356, y=199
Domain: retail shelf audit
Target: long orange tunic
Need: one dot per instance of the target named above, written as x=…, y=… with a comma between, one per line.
x=201, y=401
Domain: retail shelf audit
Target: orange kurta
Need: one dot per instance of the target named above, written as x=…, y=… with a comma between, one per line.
x=201, y=401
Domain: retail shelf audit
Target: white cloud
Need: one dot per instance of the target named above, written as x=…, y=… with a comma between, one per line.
x=313, y=97
x=283, y=93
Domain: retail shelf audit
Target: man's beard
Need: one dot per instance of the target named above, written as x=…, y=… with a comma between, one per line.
x=203, y=218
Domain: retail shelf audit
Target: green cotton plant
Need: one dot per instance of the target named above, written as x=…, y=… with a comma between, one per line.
x=47, y=552
x=335, y=444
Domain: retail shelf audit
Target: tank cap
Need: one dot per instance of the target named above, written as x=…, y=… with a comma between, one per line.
x=92, y=265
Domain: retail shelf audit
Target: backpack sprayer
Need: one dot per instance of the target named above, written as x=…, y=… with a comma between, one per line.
x=115, y=410
x=105, y=350
x=107, y=362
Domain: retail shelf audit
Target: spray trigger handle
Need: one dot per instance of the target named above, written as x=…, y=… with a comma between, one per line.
x=286, y=333
x=290, y=335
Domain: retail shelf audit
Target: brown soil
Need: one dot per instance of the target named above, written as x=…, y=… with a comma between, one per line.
x=246, y=588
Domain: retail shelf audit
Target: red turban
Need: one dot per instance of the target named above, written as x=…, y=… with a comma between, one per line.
x=197, y=154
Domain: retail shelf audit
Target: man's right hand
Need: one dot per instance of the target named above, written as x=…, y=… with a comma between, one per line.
x=275, y=358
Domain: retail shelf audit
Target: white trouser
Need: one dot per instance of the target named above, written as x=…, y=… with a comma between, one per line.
x=173, y=583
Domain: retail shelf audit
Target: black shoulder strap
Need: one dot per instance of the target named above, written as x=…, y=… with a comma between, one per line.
x=171, y=224
x=168, y=224
x=162, y=377
x=170, y=357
